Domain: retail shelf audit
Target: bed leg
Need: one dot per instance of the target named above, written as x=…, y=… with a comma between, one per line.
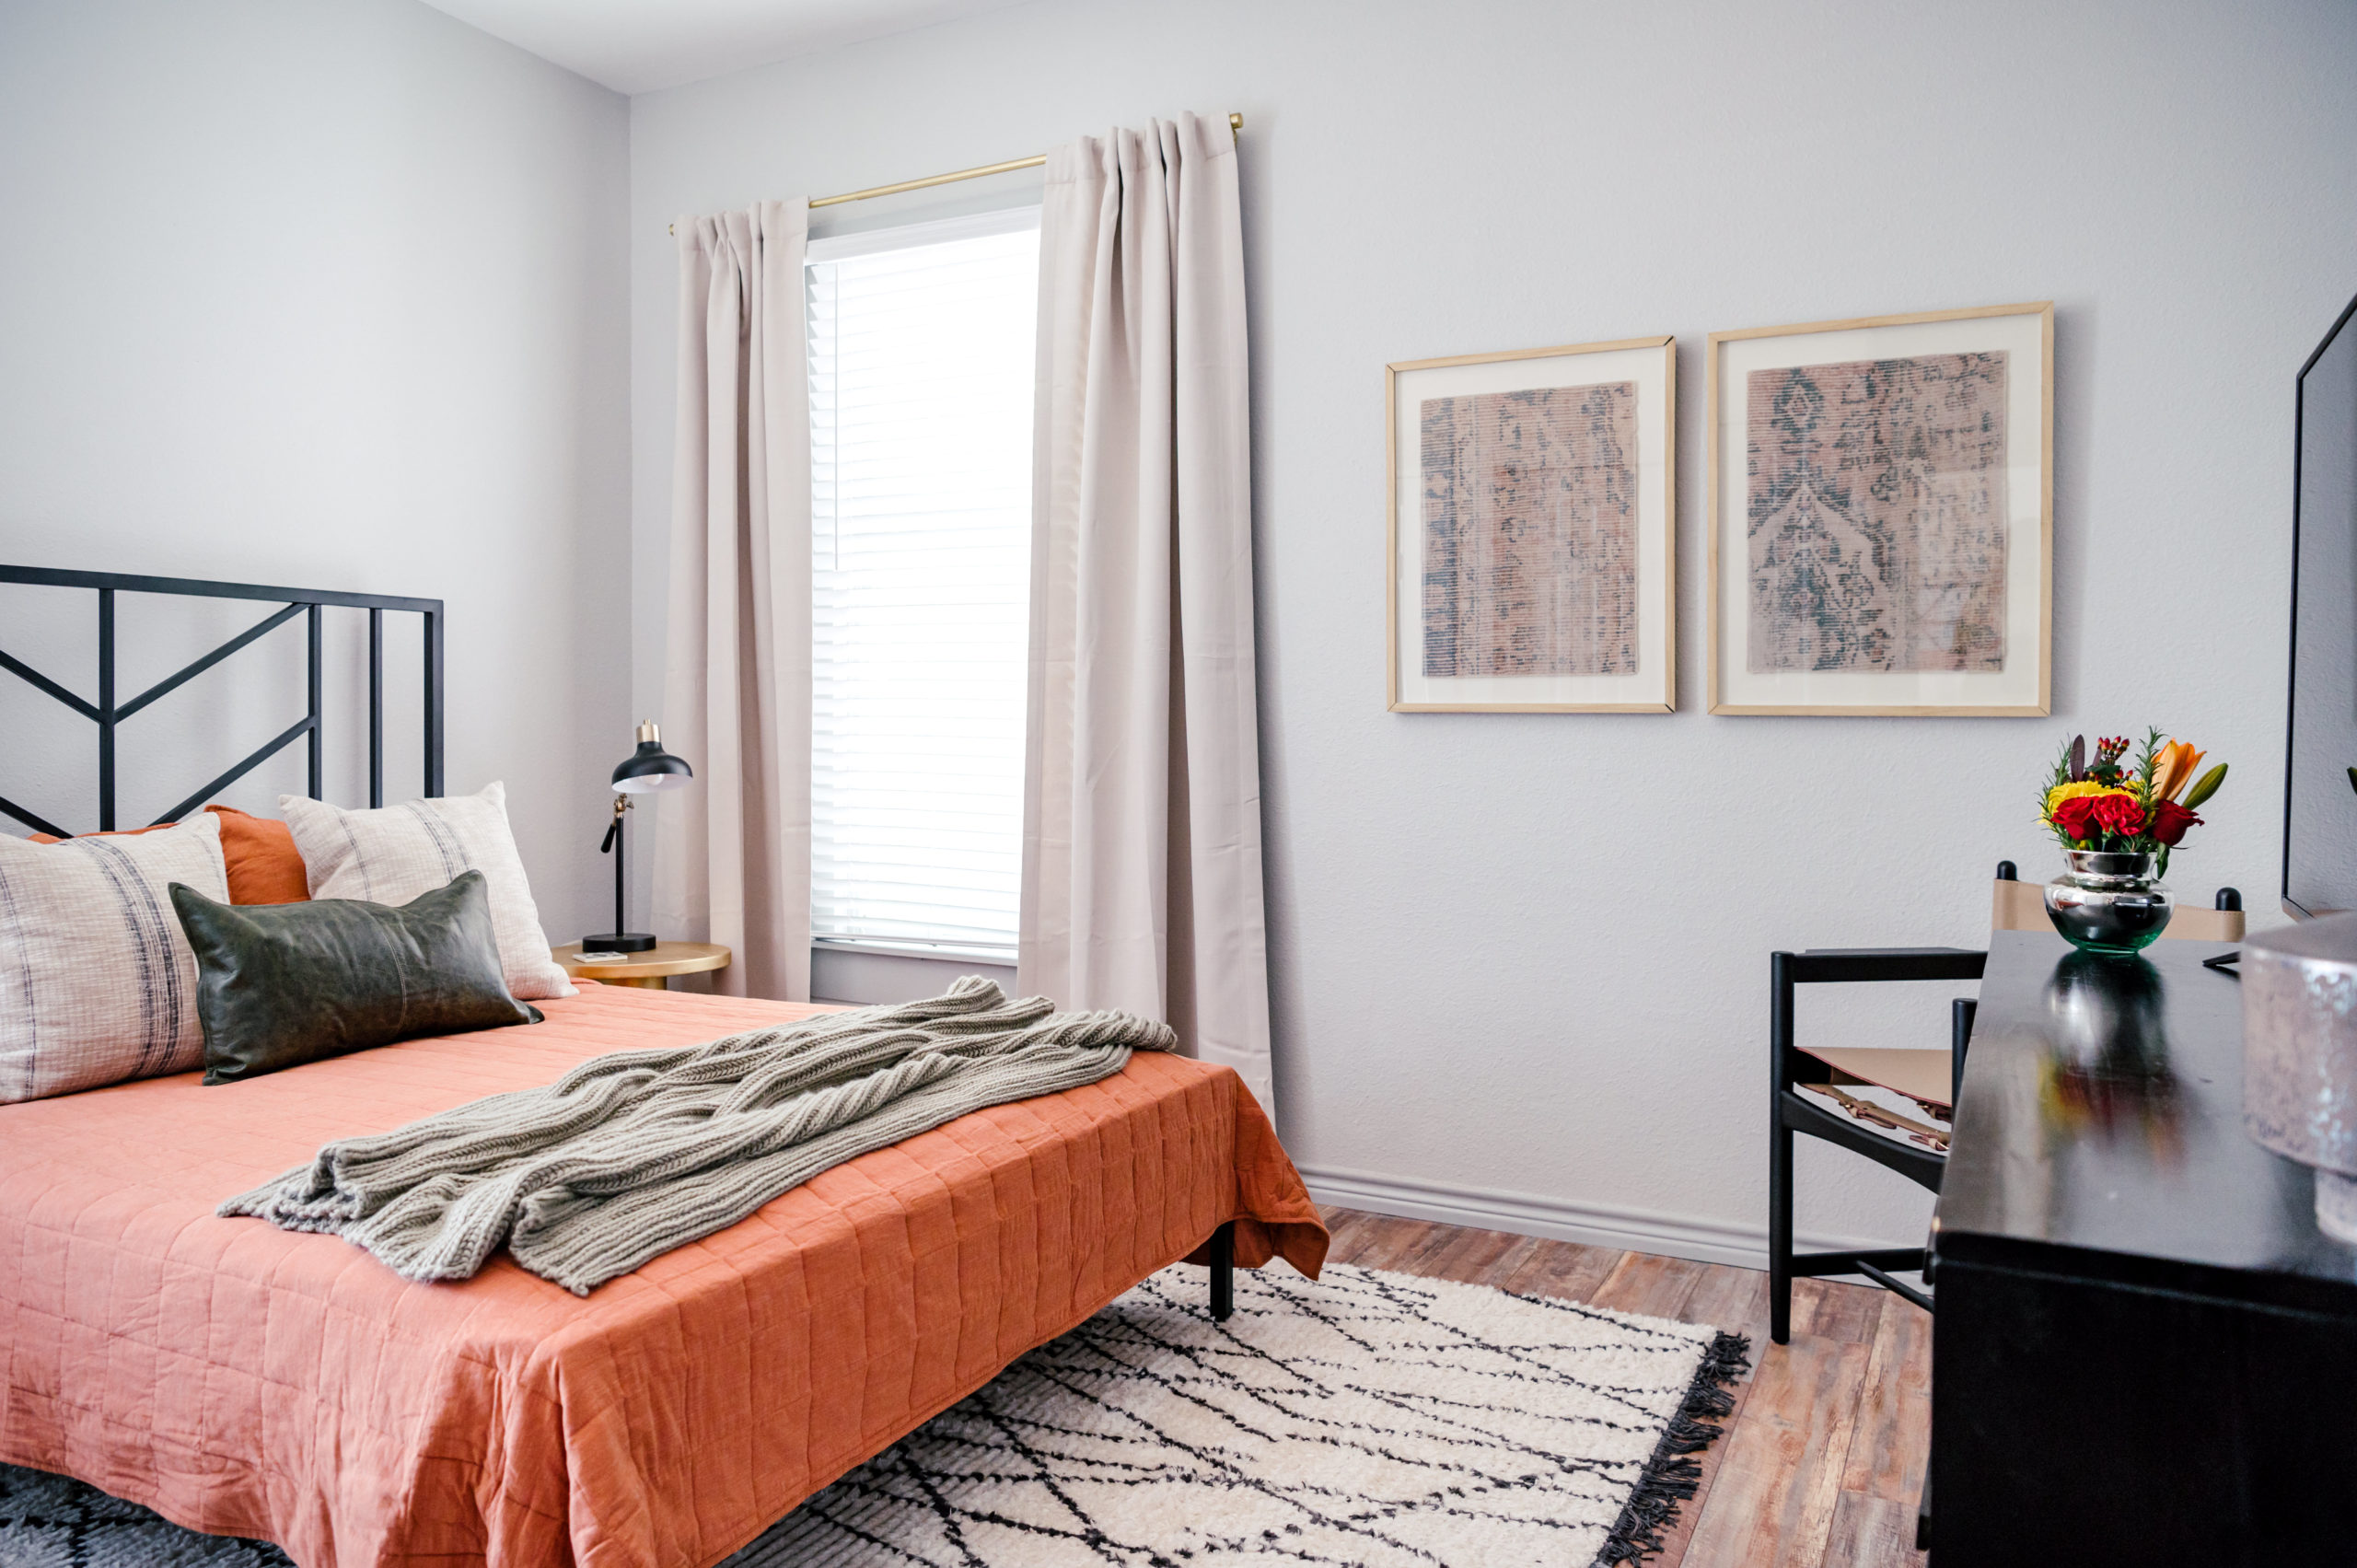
x=1223, y=1272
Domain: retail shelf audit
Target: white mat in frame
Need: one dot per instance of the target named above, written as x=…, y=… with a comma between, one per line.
x=2022, y=337
x=1643, y=679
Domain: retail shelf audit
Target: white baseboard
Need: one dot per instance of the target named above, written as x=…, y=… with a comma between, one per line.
x=1595, y=1224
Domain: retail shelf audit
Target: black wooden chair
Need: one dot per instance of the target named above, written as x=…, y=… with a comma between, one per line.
x=1789, y=1113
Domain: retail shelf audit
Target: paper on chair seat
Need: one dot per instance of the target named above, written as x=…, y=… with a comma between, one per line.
x=1900, y=1118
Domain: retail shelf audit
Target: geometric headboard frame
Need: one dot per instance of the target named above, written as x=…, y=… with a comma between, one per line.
x=106, y=712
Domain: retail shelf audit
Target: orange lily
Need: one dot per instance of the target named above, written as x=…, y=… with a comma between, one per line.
x=2173, y=769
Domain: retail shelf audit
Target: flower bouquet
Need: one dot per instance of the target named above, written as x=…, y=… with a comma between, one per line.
x=2118, y=822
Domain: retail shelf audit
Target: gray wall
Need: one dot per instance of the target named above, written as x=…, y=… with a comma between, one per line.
x=331, y=295
x=1520, y=961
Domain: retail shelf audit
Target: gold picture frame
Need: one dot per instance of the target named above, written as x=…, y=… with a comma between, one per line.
x=1804, y=655
x=1623, y=433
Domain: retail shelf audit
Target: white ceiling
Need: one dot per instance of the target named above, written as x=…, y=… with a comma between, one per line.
x=635, y=46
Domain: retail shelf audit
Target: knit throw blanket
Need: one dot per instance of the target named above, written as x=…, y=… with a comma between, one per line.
x=630, y=1155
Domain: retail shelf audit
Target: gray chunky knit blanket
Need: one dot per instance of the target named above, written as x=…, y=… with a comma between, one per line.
x=630, y=1155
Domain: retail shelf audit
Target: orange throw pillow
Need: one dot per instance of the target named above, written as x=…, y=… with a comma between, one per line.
x=260, y=853
x=263, y=866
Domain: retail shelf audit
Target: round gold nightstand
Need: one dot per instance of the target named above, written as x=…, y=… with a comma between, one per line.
x=649, y=970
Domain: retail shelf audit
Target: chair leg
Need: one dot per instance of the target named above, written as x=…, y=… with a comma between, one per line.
x=1223, y=1273
x=1779, y=1232
x=1960, y=1016
x=1780, y=1148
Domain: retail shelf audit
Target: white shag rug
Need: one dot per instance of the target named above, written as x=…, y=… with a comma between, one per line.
x=1369, y=1419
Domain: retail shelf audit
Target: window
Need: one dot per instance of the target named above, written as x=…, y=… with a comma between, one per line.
x=921, y=381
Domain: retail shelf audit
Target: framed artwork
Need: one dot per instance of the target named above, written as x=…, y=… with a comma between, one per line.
x=1882, y=501
x=1531, y=522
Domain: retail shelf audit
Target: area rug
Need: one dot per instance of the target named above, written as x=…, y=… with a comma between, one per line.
x=1368, y=1418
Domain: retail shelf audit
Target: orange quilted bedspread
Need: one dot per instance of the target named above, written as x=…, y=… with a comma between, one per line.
x=245, y=1380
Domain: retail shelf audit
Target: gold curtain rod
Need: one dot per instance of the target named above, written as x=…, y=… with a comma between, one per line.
x=1234, y=124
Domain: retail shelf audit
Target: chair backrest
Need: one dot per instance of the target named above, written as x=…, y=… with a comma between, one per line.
x=2021, y=906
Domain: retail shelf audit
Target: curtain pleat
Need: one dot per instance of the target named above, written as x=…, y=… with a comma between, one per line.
x=1141, y=871
x=732, y=860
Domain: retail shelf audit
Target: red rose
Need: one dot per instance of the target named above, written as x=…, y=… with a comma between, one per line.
x=2084, y=818
x=2076, y=816
x=2118, y=813
x=2170, y=820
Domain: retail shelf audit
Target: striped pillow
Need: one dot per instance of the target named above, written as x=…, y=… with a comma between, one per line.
x=97, y=980
x=390, y=856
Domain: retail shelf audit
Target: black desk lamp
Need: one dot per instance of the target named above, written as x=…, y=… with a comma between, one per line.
x=645, y=770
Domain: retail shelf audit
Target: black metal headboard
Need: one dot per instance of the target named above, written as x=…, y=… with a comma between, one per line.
x=106, y=713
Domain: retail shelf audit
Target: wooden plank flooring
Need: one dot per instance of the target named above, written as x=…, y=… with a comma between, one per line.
x=1823, y=1459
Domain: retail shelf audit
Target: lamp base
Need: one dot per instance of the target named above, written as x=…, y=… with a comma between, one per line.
x=617, y=942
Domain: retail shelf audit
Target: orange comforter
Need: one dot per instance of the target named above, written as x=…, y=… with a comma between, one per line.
x=245, y=1380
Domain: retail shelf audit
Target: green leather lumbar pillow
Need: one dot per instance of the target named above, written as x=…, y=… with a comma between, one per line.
x=278, y=986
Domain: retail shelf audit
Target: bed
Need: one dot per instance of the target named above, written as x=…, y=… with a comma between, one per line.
x=241, y=1379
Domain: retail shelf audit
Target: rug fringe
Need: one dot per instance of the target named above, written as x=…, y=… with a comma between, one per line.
x=1670, y=1477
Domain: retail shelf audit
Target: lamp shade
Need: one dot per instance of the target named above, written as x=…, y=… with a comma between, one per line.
x=650, y=767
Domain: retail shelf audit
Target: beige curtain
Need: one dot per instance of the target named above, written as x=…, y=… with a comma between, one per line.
x=733, y=855
x=1142, y=885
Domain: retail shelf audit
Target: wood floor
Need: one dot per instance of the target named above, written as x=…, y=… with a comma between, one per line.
x=1823, y=1459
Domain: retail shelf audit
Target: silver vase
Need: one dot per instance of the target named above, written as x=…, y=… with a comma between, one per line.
x=2108, y=903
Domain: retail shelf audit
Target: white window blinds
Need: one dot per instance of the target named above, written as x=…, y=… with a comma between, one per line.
x=922, y=357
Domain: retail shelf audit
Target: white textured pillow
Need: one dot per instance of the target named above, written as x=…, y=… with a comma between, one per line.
x=97, y=980
x=390, y=856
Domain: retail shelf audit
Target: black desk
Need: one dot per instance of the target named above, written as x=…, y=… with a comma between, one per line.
x=2146, y=1351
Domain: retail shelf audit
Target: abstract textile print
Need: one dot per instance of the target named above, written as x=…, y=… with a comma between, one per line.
x=1877, y=515
x=1530, y=532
